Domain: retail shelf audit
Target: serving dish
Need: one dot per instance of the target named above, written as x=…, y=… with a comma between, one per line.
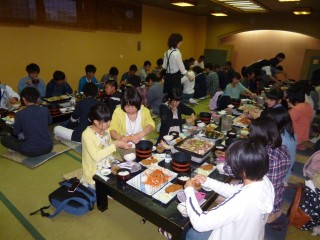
x=194, y=146
x=202, y=169
x=57, y=99
x=148, y=181
x=164, y=197
x=153, y=160
x=241, y=121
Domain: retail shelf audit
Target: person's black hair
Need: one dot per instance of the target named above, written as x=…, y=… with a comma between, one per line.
x=90, y=89
x=191, y=59
x=131, y=97
x=208, y=65
x=275, y=94
x=248, y=159
x=281, y=55
x=244, y=71
x=135, y=81
x=162, y=73
x=315, y=78
x=32, y=67
x=90, y=68
x=174, y=39
x=160, y=61
x=186, y=64
x=151, y=76
x=99, y=112
x=216, y=66
x=306, y=85
x=283, y=120
x=235, y=75
x=197, y=69
x=59, y=75
x=264, y=129
x=146, y=63
x=279, y=67
x=174, y=94
x=228, y=63
x=114, y=71
x=296, y=94
x=112, y=83
x=133, y=67
x=201, y=57
x=30, y=94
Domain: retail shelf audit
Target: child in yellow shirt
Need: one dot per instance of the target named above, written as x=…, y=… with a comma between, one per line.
x=97, y=147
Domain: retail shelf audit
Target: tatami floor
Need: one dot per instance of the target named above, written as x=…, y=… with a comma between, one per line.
x=24, y=190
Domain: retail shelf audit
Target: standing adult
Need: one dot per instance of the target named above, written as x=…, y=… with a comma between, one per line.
x=172, y=62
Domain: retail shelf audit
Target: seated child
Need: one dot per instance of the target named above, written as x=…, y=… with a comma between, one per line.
x=245, y=211
x=72, y=130
x=30, y=129
x=97, y=147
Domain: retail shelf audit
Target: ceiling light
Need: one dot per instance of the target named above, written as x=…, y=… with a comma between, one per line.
x=218, y=14
x=302, y=11
x=246, y=5
x=183, y=3
x=289, y=0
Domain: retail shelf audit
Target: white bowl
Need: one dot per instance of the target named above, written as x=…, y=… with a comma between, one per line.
x=63, y=110
x=230, y=106
x=168, y=137
x=201, y=125
x=105, y=171
x=129, y=157
x=182, y=209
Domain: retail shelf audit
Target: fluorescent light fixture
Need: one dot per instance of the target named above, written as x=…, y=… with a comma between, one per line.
x=183, y=3
x=218, y=14
x=302, y=11
x=289, y=0
x=246, y=6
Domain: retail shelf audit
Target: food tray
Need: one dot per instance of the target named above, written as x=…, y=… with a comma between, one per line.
x=197, y=155
x=137, y=182
x=164, y=197
x=203, y=172
x=237, y=122
x=156, y=157
x=57, y=99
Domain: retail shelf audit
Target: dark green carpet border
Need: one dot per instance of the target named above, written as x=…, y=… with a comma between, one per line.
x=20, y=217
x=73, y=156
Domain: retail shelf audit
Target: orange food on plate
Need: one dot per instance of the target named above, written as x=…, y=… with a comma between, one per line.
x=149, y=161
x=207, y=167
x=156, y=178
x=173, y=188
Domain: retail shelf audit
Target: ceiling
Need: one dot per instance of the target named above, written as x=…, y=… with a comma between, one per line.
x=204, y=7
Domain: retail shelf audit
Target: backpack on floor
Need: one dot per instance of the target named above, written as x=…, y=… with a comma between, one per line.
x=78, y=202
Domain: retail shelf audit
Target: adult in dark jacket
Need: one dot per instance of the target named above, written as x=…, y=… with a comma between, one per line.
x=200, y=85
x=171, y=111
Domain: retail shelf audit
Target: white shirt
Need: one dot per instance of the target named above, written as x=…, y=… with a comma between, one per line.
x=188, y=86
x=6, y=94
x=175, y=61
x=241, y=216
x=196, y=63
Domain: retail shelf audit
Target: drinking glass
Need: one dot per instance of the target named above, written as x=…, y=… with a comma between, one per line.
x=226, y=123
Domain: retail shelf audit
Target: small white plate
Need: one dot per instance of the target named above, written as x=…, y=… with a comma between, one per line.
x=164, y=197
x=105, y=171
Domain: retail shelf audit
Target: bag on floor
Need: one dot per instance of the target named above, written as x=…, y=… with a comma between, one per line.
x=71, y=197
x=305, y=209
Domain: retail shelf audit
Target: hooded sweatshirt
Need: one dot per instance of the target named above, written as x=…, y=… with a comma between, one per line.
x=241, y=216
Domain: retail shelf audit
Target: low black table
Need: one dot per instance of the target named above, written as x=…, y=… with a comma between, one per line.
x=165, y=216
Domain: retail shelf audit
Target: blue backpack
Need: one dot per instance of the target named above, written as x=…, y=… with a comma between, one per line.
x=78, y=202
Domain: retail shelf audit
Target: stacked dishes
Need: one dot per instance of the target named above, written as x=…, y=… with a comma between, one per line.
x=181, y=162
x=205, y=117
x=144, y=149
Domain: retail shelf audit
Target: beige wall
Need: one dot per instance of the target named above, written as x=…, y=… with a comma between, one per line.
x=250, y=45
x=70, y=50
x=254, y=45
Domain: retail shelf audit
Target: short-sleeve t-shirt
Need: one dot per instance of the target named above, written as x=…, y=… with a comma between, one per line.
x=234, y=92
